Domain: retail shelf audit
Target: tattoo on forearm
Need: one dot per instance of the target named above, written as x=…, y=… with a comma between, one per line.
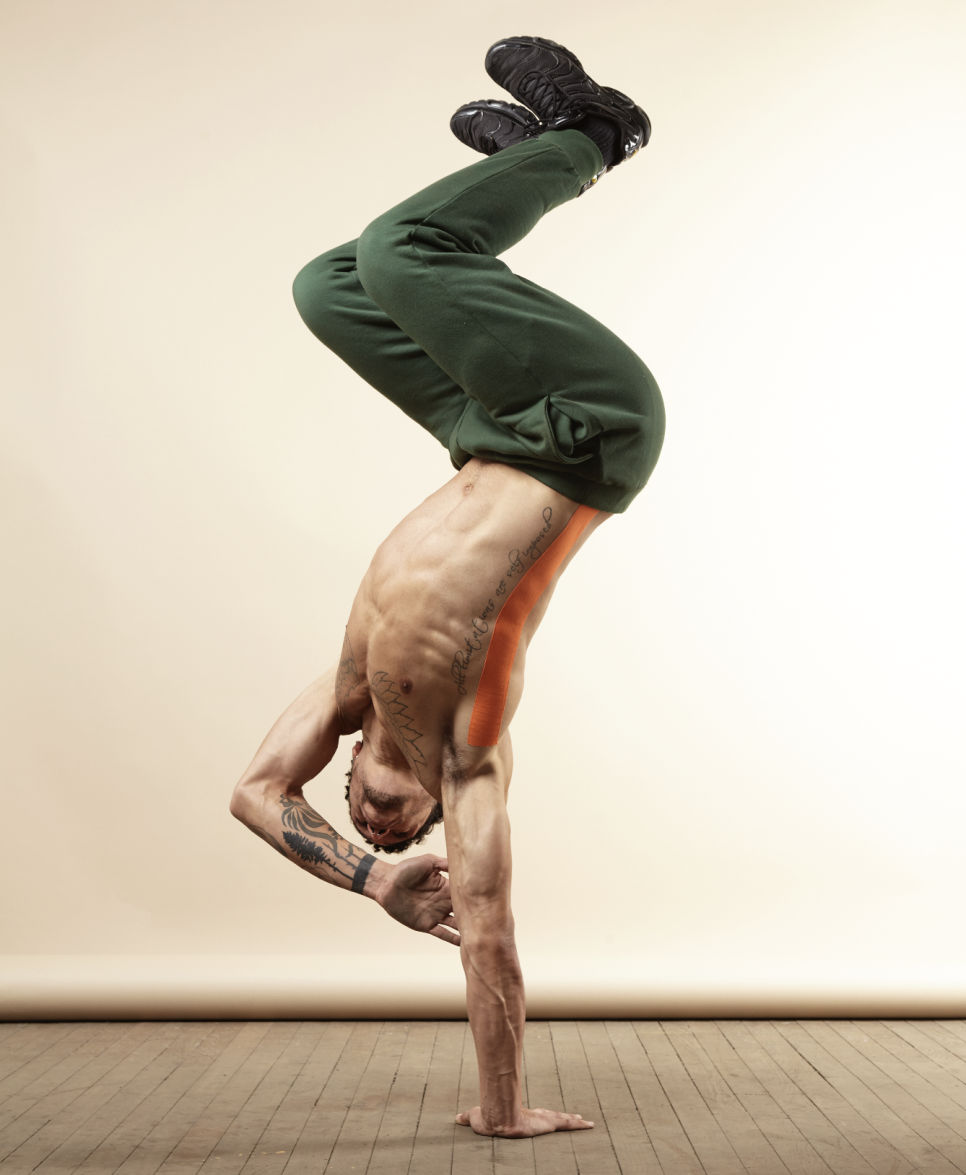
x=397, y=712
x=325, y=847
x=297, y=814
x=347, y=675
x=317, y=846
x=518, y=563
x=308, y=851
x=359, y=881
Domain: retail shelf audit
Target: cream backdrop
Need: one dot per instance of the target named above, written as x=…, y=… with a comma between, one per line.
x=739, y=760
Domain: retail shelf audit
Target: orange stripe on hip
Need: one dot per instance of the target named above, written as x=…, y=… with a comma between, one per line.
x=495, y=679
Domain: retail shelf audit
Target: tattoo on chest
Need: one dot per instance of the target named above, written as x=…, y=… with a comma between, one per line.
x=518, y=562
x=397, y=713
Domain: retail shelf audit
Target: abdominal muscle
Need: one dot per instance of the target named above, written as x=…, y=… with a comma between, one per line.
x=425, y=611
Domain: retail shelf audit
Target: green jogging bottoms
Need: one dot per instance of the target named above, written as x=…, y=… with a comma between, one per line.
x=491, y=364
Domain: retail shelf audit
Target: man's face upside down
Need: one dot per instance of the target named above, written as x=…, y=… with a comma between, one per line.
x=388, y=806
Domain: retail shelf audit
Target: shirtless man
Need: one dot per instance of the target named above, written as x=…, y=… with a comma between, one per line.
x=553, y=425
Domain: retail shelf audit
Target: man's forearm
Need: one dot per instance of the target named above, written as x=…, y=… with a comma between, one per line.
x=293, y=828
x=497, y=1013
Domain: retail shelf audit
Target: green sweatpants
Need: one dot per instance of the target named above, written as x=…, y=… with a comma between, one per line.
x=491, y=364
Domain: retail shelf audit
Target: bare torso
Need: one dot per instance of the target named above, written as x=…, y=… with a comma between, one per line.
x=420, y=624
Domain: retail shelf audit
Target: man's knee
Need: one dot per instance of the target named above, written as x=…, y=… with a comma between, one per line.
x=383, y=257
x=319, y=291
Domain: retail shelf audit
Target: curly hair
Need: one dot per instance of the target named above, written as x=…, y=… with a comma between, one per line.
x=434, y=818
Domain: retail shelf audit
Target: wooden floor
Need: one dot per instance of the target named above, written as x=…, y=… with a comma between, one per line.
x=801, y=1097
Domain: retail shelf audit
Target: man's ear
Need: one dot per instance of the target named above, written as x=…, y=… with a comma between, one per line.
x=356, y=749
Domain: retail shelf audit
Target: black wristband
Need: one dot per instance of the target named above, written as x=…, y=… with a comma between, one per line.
x=359, y=881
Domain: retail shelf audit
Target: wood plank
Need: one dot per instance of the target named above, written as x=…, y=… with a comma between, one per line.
x=924, y=1137
x=273, y=1149
x=877, y=1151
x=671, y=1145
x=60, y=1061
x=66, y=1136
x=472, y=1153
x=234, y=1148
x=65, y=1108
x=955, y=1028
x=938, y=1090
x=916, y=1036
x=796, y=1153
x=209, y=1127
x=9, y=1029
x=436, y=1128
x=849, y=1098
x=554, y=1153
x=943, y=1037
x=49, y=1093
x=184, y=1066
x=905, y=1141
x=594, y=1149
x=40, y=1053
x=321, y=1130
x=393, y=1147
x=741, y=1130
x=124, y=1101
x=260, y=1133
x=709, y=1141
x=353, y=1147
x=516, y=1156
x=832, y=1147
x=226, y=1050
x=138, y=1134
x=33, y=1041
x=628, y=1134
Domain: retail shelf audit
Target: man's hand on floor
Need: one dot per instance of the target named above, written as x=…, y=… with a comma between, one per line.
x=416, y=894
x=532, y=1122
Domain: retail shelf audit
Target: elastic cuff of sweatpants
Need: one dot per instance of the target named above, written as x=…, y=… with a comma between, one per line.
x=583, y=153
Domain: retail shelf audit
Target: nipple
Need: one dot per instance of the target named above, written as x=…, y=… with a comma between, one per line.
x=405, y=684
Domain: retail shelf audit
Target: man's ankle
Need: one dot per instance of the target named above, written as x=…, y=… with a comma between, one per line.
x=605, y=135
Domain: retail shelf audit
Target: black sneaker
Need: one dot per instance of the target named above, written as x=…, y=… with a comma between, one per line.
x=553, y=83
x=490, y=125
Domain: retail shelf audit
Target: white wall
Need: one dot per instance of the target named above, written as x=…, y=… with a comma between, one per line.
x=740, y=755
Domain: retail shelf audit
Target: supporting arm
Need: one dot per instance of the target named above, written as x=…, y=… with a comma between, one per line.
x=478, y=846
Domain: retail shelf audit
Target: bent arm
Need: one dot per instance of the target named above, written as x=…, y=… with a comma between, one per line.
x=268, y=799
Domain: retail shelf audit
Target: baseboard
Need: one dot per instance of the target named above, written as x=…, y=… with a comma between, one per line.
x=374, y=987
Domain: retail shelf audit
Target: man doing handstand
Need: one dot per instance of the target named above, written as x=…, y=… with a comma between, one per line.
x=553, y=425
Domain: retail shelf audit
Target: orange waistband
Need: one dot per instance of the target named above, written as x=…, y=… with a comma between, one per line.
x=495, y=679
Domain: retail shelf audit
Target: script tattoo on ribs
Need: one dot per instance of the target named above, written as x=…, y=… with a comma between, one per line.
x=472, y=643
x=395, y=709
x=480, y=625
